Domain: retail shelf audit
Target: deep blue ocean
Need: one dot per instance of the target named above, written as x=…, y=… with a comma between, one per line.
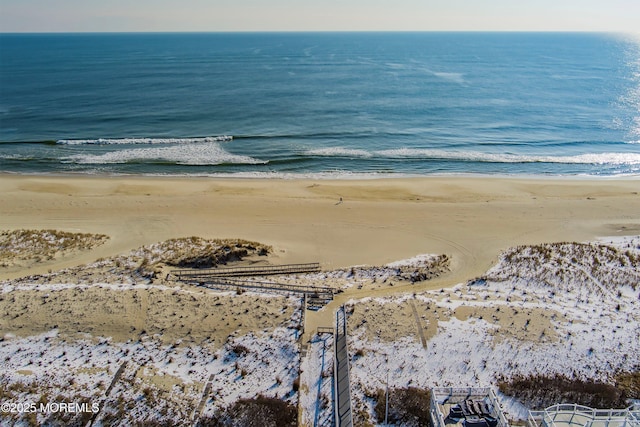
x=320, y=104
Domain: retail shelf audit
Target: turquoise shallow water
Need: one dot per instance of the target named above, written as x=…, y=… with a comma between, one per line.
x=320, y=104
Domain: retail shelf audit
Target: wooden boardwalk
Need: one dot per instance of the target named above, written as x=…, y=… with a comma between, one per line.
x=315, y=294
x=230, y=279
x=261, y=270
x=343, y=414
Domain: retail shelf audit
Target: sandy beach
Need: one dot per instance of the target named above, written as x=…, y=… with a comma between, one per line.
x=97, y=303
x=337, y=223
x=470, y=219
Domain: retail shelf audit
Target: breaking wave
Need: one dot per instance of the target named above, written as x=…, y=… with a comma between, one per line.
x=133, y=141
x=339, y=152
x=428, y=154
x=192, y=155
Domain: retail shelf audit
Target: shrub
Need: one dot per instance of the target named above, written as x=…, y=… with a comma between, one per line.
x=542, y=391
x=261, y=411
x=239, y=350
x=407, y=406
x=629, y=383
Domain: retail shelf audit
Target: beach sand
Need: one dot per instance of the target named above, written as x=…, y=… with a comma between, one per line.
x=469, y=218
x=337, y=223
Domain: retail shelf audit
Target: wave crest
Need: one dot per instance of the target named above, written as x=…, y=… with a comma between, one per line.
x=192, y=155
x=144, y=141
x=471, y=156
x=338, y=152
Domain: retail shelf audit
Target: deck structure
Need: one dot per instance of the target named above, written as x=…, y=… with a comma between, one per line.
x=571, y=415
x=466, y=407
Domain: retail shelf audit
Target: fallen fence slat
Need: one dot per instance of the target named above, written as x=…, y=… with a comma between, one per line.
x=114, y=380
x=204, y=398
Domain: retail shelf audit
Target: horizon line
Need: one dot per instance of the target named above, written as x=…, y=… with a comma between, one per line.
x=323, y=31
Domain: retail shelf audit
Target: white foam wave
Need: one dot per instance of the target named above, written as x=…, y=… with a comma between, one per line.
x=339, y=152
x=132, y=141
x=329, y=175
x=587, y=158
x=192, y=155
x=16, y=157
x=417, y=153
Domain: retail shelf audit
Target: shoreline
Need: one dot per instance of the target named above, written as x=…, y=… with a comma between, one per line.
x=324, y=176
x=472, y=219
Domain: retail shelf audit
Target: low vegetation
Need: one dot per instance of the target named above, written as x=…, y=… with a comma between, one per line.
x=146, y=262
x=197, y=252
x=189, y=252
x=427, y=268
x=541, y=391
x=261, y=411
x=629, y=383
x=24, y=246
x=604, y=268
x=407, y=406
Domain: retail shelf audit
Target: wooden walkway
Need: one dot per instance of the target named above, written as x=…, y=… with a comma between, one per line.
x=229, y=279
x=315, y=294
x=343, y=414
x=262, y=270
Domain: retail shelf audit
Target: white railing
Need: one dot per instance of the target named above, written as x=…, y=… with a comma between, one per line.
x=606, y=417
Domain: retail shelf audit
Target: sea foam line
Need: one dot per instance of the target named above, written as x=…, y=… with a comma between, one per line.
x=416, y=153
x=132, y=141
x=190, y=154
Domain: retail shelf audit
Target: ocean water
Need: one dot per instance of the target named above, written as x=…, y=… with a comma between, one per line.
x=320, y=104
